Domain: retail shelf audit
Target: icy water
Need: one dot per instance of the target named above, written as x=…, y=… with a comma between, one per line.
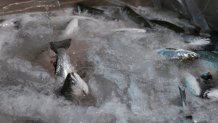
x=129, y=82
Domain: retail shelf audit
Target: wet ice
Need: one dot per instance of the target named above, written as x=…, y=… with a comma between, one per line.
x=128, y=81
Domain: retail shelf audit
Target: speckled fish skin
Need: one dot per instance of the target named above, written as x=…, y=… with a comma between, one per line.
x=209, y=59
x=62, y=66
x=177, y=54
x=206, y=76
x=73, y=84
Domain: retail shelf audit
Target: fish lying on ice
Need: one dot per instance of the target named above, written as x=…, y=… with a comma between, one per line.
x=168, y=25
x=65, y=72
x=211, y=94
x=177, y=54
x=194, y=85
x=138, y=19
x=82, y=8
x=197, y=86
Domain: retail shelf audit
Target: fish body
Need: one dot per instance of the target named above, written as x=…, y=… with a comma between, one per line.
x=82, y=8
x=192, y=84
x=65, y=72
x=62, y=64
x=177, y=54
x=135, y=17
x=168, y=25
x=211, y=94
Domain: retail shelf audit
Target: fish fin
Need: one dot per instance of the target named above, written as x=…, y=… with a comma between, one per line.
x=182, y=95
x=60, y=44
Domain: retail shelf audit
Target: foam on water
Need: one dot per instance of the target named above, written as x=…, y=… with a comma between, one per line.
x=129, y=82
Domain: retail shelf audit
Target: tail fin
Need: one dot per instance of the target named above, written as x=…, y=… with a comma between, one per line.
x=60, y=44
x=183, y=96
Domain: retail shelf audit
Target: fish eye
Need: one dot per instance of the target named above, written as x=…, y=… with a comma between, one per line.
x=74, y=82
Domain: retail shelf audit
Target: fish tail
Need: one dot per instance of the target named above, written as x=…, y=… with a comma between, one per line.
x=60, y=44
x=182, y=95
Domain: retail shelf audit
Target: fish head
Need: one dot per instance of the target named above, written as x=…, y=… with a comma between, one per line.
x=78, y=86
x=187, y=55
x=207, y=76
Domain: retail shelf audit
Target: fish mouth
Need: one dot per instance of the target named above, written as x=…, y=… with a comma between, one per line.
x=79, y=83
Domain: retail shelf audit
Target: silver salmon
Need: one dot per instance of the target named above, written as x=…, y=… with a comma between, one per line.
x=65, y=72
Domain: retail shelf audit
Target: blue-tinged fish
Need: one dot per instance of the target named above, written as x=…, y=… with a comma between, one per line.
x=196, y=86
x=208, y=60
x=65, y=71
x=206, y=76
x=177, y=54
x=192, y=84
